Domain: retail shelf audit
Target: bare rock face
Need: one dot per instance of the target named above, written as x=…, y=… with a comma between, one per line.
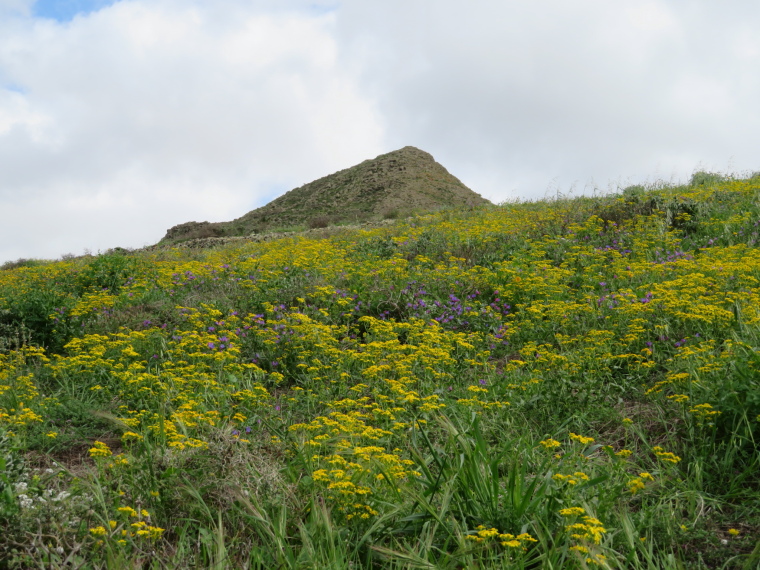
x=395, y=184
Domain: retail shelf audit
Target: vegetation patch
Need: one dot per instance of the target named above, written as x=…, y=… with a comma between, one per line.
x=571, y=383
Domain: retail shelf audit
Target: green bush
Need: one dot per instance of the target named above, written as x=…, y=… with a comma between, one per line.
x=108, y=271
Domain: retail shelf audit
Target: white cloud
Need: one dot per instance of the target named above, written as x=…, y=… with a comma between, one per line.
x=142, y=115
x=651, y=17
x=16, y=113
x=15, y=7
x=147, y=113
x=518, y=95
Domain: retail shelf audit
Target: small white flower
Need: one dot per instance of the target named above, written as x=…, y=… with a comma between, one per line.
x=20, y=487
x=62, y=496
x=723, y=541
x=59, y=549
x=25, y=502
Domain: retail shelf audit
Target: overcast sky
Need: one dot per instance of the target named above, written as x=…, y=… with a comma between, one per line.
x=119, y=119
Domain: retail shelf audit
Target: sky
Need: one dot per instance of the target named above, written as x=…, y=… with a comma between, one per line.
x=122, y=118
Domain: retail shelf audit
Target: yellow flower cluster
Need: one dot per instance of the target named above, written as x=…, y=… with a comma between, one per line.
x=636, y=484
x=590, y=530
x=550, y=443
x=573, y=479
x=581, y=439
x=100, y=449
x=90, y=302
x=665, y=455
x=122, y=532
x=704, y=413
x=507, y=540
x=588, y=533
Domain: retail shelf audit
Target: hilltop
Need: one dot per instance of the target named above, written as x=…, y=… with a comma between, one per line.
x=395, y=184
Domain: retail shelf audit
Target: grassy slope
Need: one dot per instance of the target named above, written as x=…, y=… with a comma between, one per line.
x=554, y=384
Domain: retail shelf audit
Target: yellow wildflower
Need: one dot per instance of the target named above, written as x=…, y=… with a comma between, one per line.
x=100, y=449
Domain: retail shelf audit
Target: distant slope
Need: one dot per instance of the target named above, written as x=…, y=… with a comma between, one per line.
x=393, y=184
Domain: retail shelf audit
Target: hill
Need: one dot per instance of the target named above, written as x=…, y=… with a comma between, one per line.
x=395, y=184
x=567, y=383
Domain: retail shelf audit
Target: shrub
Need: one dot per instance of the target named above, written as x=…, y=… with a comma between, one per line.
x=702, y=178
x=319, y=222
x=108, y=271
x=391, y=214
x=21, y=262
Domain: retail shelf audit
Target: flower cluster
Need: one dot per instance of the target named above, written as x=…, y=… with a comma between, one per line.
x=511, y=541
x=132, y=525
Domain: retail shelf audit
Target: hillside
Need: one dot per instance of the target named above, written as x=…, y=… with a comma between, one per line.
x=392, y=185
x=567, y=383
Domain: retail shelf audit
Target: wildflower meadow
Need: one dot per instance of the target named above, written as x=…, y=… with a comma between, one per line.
x=566, y=383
